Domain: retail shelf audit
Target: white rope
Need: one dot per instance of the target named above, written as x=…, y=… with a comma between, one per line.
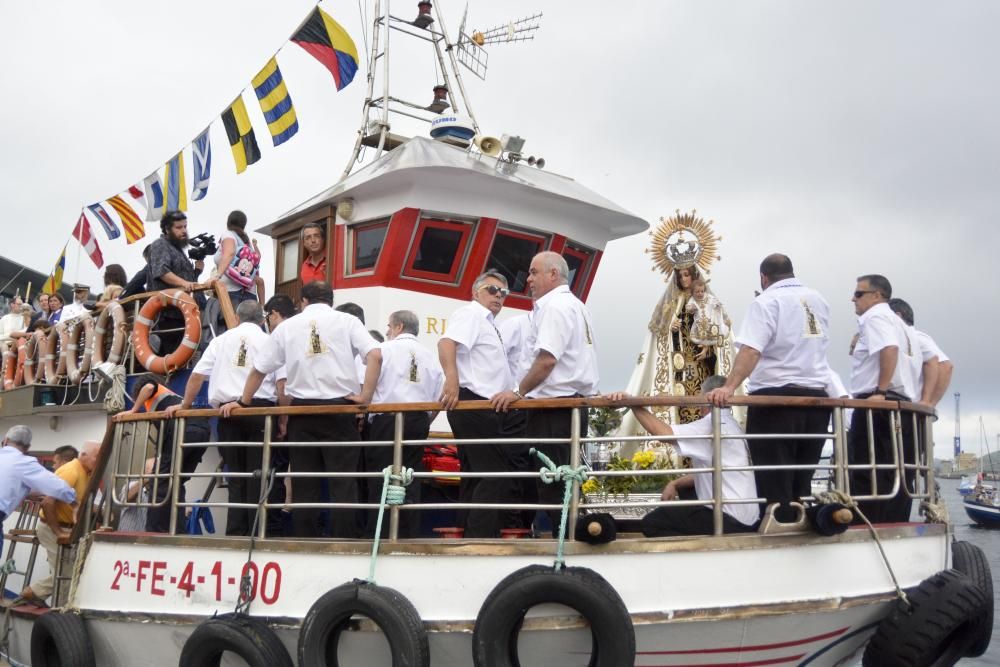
x=114, y=401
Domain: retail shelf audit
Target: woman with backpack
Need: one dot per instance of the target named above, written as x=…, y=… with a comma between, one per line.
x=237, y=262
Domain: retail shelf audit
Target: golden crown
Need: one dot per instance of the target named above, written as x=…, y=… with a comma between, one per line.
x=683, y=240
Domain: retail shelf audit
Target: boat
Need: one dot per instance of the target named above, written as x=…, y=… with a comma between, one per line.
x=413, y=228
x=983, y=506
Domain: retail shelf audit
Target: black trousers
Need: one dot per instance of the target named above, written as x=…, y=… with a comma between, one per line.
x=687, y=520
x=317, y=428
x=783, y=486
x=243, y=459
x=416, y=426
x=195, y=431
x=488, y=458
x=897, y=508
x=553, y=424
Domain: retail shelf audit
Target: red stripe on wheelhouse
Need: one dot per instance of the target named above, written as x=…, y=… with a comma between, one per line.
x=759, y=647
x=755, y=663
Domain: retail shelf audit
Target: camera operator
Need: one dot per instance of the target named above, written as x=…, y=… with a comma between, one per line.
x=169, y=268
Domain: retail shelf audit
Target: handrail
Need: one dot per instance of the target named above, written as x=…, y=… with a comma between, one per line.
x=541, y=403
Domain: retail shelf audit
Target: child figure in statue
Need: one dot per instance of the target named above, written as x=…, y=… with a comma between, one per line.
x=711, y=323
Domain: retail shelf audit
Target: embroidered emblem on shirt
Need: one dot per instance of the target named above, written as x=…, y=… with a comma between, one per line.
x=586, y=330
x=811, y=328
x=414, y=376
x=315, y=343
x=241, y=354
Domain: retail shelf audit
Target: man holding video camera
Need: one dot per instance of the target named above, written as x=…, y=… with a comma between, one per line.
x=170, y=267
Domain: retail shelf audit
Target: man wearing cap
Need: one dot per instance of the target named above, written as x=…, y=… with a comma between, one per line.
x=21, y=474
x=317, y=348
x=81, y=293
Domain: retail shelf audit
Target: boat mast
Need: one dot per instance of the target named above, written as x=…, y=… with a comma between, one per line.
x=958, y=429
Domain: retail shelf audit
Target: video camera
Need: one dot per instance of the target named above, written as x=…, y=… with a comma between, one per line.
x=202, y=246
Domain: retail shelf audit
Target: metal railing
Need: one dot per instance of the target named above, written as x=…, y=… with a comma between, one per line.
x=910, y=464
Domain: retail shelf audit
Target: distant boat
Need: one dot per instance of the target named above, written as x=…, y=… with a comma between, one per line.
x=983, y=507
x=968, y=484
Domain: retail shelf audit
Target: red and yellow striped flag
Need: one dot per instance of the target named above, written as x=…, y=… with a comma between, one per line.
x=134, y=229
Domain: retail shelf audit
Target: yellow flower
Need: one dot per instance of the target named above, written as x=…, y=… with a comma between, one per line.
x=643, y=459
x=590, y=486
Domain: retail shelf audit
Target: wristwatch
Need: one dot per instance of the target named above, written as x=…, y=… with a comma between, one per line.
x=879, y=392
x=517, y=392
x=240, y=402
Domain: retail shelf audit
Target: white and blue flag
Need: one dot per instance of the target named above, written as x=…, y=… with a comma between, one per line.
x=201, y=154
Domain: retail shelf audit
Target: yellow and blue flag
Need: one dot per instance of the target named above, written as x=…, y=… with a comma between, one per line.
x=175, y=185
x=276, y=103
x=54, y=281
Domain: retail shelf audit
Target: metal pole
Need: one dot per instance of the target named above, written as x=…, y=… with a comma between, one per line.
x=839, y=451
x=397, y=468
x=265, y=470
x=929, y=458
x=454, y=64
x=368, y=96
x=175, y=472
x=717, y=470
x=384, y=129
x=574, y=462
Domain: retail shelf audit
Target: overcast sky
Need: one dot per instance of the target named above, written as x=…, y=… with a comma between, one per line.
x=857, y=137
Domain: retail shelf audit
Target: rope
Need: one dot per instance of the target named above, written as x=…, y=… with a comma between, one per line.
x=114, y=400
x=933, y=513
x=246, y=581
x=841, y=498
x=392, y=494
x=9, y=567
x=550, y=474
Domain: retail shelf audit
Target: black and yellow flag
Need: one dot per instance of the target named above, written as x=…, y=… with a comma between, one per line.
x=240, y=133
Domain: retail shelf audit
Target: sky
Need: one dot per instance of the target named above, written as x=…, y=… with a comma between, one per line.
x=856, y=137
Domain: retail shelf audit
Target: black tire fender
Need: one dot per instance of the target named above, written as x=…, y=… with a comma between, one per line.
x=494, y=639
x=249, y=638
x=970, y=560
x=61, y=640
x=389, y=609
x=937, y=628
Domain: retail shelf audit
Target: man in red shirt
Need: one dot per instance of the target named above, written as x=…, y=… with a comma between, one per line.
x=314, y=242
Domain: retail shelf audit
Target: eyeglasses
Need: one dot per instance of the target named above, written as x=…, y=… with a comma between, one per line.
x=861, y=292
x=494, y=290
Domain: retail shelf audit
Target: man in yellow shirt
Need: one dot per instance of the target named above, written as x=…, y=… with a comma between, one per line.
x=57, y=518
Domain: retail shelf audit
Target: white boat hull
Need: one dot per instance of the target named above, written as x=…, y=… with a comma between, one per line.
x=707, y=601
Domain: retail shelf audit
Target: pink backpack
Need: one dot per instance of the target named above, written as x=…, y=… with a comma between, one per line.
x=243, y=269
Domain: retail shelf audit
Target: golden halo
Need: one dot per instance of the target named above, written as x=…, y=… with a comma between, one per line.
x=683, y=240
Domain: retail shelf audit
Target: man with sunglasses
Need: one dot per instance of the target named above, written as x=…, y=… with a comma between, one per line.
x=475, y=369
x=563, y=363
x=885, y=365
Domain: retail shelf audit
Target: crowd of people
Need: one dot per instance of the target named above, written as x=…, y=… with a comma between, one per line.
x=321, y=356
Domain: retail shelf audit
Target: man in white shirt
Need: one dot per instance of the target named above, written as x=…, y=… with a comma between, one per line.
x=937, y=367
x=80, y=295
x=885, y=365
x=226, y=364
x=317, y=348
x=475, y=369
x=782, y=349
x=736, y=484
x=515, y=332
x=14, y=324
x=409, y=373
x=563, y=364
x=21, y=474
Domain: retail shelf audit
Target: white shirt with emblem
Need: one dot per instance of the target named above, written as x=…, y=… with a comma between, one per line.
x=879, y=328
x=736, y=484
x=410, y=372
x=789, y=325
x=317, y=348
x=563, y=327
x=227, y=362
x=480, y=356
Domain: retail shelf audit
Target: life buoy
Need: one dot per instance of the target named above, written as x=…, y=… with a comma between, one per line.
x=34, y=371
x=22, y=345
x=55, y=354
x=78, y=364
x=61, y=640
x=144, y=321
x=937, y=627
x=9, y=365
x=970, y=560
x=389, y=609
x=494, y=639
x=113, y=315
x=249, y=638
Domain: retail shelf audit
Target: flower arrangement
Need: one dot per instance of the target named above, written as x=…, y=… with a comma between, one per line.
x=647, y=459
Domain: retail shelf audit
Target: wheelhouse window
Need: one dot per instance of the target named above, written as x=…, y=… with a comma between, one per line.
x=438, y=250
x=288, y=259
x=579, y=260
x=511, y=255
x=365, y=244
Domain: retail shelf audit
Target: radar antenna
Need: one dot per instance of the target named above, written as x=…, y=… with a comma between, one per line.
x=471, y=51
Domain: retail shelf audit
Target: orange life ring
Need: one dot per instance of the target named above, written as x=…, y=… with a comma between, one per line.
x=55, y=354
x=9, y=365
x=78, y=365
x=119, y=330
x=144, y=321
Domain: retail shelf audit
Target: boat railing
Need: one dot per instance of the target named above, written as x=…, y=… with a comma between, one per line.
x=136, y=437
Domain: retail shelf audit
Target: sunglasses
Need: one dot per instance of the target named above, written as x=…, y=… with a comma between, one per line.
x=494, y=290
x=860, y=293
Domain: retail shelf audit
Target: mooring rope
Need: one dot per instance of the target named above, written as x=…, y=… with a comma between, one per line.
x=392, y=494
x=246, y=581
x=550, y=474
